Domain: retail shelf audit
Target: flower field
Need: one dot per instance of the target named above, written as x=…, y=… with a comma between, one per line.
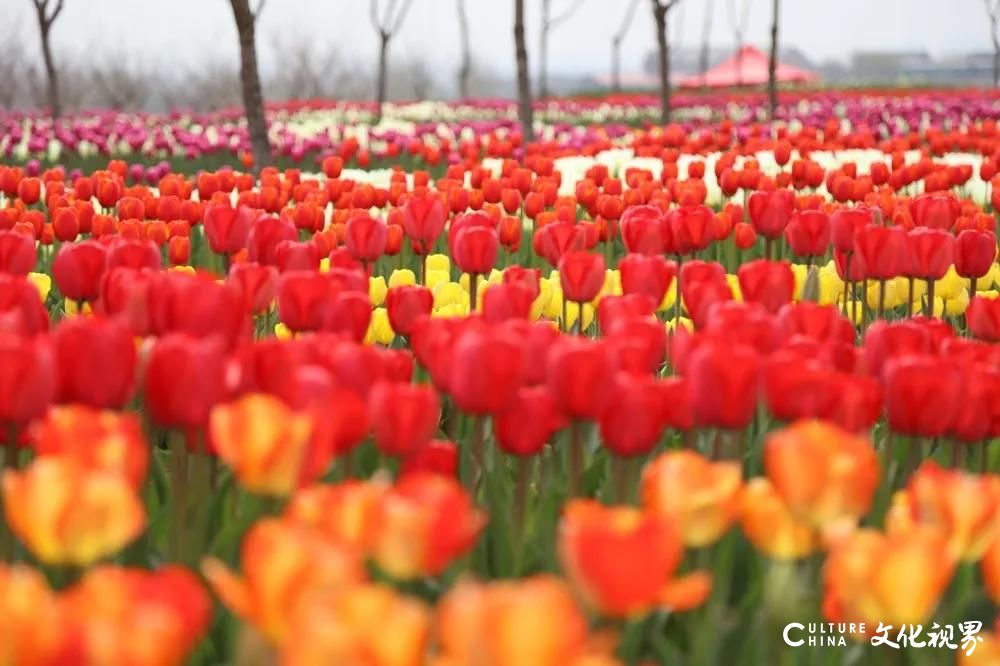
x=430, y=394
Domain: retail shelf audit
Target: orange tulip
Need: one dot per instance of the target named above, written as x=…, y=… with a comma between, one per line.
x=284, y=566
x=346, y=512
x=96, y=439
x=622, y=560
x=136, y=617
x=991, y=571
x=770, y=526
x=366, y=624
x=67, y=514
x=424, y=522
x=700, y=496
x=894, y=579
x=964, y=506
x=825, y=475
x=268, y=446
x=32, y=629
x=510, y=623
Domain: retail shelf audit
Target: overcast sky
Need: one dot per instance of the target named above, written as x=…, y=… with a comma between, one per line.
x=192, y=30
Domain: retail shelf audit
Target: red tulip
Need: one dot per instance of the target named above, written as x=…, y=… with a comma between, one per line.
x=983, y=318
x=423, y=220
x=136, y=254
x=257, y=283
x=723, y=383
x=639, y=344
x=404, y=417
x=184, y=379
x=845, y=223
x=932, y=252
x=921, y=395
x=974, y=412
x=474, y=249
x=935, y=211
x=17, y=253
x=510, y=300
x=631, y=423
x=198, y=306
x=771, y=211
x=78, y=269
x=264, y=237
x=821, y=323
x=554, y=240
x=405, y=304
x=748, y=323
x=365, y=237
x=884, y=251
x=347, y=312
x=526, y=277
x=65, y=224
x=769, y=283
x=808, y=233
x=974, y=253
x=885, y=341
x=690, y=229
x=21, y=310
x=27, y=378
x=96, y=362
x=528, y=422
x=436, y=457
x=650, y=276
x=581, y=275
x=643, y=230
x=296, y=256
x=303, y=298
x=485, y=370
x=227, y=228
x=579, y=376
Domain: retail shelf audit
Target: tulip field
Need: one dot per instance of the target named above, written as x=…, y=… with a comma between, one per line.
x=718, y=392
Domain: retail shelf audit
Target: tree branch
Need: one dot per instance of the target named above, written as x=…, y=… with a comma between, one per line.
x=373, y=15
x=56, y=11
x=260, y=8
x=567, y=13
x=626, y=22
x=401, y=15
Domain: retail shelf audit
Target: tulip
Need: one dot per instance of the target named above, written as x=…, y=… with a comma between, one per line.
x=305, y=299
x=65, y=224
x=983, y=318
x=975, y=252
x=769, y=283
x=98, y=440
x=21, y=309
x=896, y=580
x=808, y=234
x=365, y=237
x=701, y=497
x=554, y=240
x=844, y=224
x=822, y=323
x=770, y=213
x=27, y=378
x=285, y=566
x=345, y=513
x=934, y=211
x=257, y=283
x=266, y=444
x=507, y=622
x=644, y=229
x=485, y=370
x=650, y=276
x=67, y=514
x=579, y=377
x=474, y=249
x=960, y=505
x=884, y=253
x=96, y=362
x=723, y=383
x=264, y=237
x=405, y=305
x=932, y=251
x=296, y=256
x=184, y=379
x=630, y=424
x=198, y=306
x=646, y=551
x=423, y=220
x=426, y=521
x=35, y=630
x=581, y=275
x=690, y=229
x=528, y=422
x=770, y=526
x=404, y=417
x=825, y=476
x=507, y=300
x=921, y=395
x=17, y=253
x=436, y=457
x=135, y=254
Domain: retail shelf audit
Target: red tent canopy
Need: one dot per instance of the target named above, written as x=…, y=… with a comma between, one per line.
x=747, y=68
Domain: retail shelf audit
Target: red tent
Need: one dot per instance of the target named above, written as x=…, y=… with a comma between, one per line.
x=746, y=68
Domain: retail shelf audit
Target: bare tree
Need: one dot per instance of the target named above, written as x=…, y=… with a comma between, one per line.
x=386, y=27
x=524, y=110
x=465, y=69
x=661, y=8
x=616, y=46
x=772, y=63
x=46, y=17
x=739, y=27
x=550, y=23
x=253, y=98
x=706, y=35
x=993, y=11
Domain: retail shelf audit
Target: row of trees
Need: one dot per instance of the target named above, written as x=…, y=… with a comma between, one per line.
x=387, y=21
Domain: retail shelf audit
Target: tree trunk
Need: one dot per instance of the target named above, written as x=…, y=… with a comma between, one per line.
x=543, y=52
x=466, y=68
x=996, y=51
x=55, y=106
x=523, y=80
x=660, y=18
x=383, y=56
x=616, y=53
x=253, y=101
x=772, y=65
x=706, y=33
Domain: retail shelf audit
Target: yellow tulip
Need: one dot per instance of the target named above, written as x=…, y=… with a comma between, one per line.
x=464, y=281
x=448, y=293
x=435, y=277
x=893, y=297
x=379, y=329
x=683, y=322
x=495, y=277
x=612, y=286
x=282, y=332
x=183, y=269
x=438, y=262
x=543, y=298
x=853, y=310
x=957, y=305
x=573, y=313
x=918, y=306
x=324, y=265
x=70, y=307
x=950, y=285
x=992, y=293
x=401, y=277
x=669, y=297
x=377, y=289
x=831, y=288
x=800, y=272
x=452, y=310
x=553, y=309
x=42, y=282
x=734, y=286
